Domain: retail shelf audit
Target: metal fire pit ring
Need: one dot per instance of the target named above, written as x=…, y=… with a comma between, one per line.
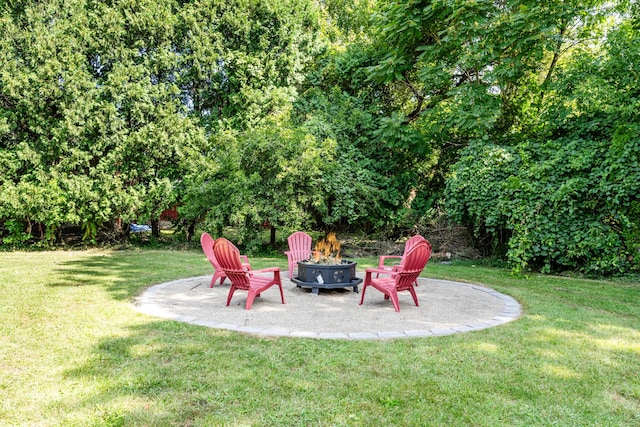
x=326, y=276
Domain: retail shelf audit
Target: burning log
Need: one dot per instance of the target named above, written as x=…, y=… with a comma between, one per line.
x=327, y=250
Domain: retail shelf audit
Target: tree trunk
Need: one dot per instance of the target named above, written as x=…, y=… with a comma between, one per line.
x=273, y=237
x=191, y=230
x=155, y=228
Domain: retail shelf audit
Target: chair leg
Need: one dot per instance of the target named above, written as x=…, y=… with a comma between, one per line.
x=415, y=297
x=364, y=289
x=281, y=293
x=290, y=269
x=217, y=276
x=231, y=291
x=250, y=297
x=394, y=300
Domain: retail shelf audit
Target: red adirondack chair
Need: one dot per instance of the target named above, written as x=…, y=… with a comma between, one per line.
x=299, y=249
x=403, y=279
x=390, y=269
x=229, y=258
x=206, y=241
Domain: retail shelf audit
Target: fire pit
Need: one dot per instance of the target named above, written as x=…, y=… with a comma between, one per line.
x=327, y=270
x=326, y=276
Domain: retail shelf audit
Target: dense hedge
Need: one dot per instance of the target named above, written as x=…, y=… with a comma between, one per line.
x=562, y=204
x=565, y=197
x=522, y=119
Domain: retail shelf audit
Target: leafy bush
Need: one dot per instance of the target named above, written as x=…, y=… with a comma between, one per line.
x=565, y=196
x=14, y=233
x=562, y=204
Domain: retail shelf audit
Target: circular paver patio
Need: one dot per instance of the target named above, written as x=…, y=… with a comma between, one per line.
x=446, y=307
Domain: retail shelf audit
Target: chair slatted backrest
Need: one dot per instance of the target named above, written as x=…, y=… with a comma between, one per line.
x=410, y=244
x=206, y=241
x=228, y=256
x=300, y=245
x=415, y=261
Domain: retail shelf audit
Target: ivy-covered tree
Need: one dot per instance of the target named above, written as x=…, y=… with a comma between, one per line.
x=472, y=70
x=566, y=197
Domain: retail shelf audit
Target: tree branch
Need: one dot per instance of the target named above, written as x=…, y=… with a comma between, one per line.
x=554, y=60
x=420, y=98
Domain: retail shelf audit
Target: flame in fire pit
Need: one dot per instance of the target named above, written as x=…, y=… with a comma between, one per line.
x=328, y=250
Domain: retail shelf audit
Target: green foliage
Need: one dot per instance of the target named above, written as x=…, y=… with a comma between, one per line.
x=106, y=106
x=89, y=231
x=347, y=21
x=551, y=200
x=240, y=61
x=379, y=160
x=268, y=175
x=463, y=71
x=15, y=234
x=93, y=126
x=568, y=200
x=332, y=114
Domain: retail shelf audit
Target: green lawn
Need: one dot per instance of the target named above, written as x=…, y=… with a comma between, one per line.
x=74, y=353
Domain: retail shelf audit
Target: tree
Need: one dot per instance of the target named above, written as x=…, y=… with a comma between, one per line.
x=241, y=61
x=268, y=176
x=566, y=198
x=241, y=65
x=473, y=70
x=93, y=128
x=381, y=163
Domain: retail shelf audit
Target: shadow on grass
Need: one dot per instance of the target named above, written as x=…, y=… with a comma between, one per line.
x=124, y=274
x=170, y=373
x=539, y=372
x=575, y=349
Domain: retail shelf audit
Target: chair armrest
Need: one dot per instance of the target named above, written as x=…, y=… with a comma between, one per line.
x=378, y=270
x=367, y=278
x=245, y=262
x=266, y=270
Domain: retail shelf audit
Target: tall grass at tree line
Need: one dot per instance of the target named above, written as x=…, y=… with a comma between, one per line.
x=74, y=353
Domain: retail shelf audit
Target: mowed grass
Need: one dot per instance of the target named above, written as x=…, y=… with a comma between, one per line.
x=74, y=353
